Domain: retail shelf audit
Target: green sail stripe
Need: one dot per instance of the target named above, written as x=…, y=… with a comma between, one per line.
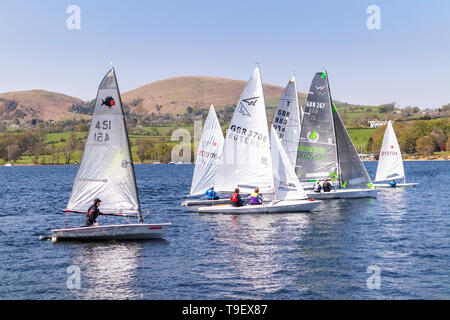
x=334, y=109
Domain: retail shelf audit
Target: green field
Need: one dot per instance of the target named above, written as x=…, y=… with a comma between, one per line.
x=359, y=136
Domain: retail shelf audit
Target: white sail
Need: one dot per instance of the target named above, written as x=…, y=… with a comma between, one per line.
x=286, y=184
x=286, y=121
x=106, y=170
x=246, y=160
x=390, y=163
x=208, y=154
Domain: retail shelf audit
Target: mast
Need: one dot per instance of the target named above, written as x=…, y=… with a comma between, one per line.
x=264, y=100
x=141, y=219
x=338, y=167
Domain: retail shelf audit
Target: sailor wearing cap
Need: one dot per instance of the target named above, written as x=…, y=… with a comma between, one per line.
x=92, y=213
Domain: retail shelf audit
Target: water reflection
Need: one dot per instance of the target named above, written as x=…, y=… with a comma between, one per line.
x=108, y=270
x=255, y=245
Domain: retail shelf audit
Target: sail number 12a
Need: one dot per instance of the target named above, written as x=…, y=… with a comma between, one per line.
x=100, y=135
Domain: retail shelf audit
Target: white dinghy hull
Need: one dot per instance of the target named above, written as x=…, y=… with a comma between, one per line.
x=282, y=206
x=188, y=203
x=344, y=194
x=398, y=185
x=112, y=232
x=199, y=202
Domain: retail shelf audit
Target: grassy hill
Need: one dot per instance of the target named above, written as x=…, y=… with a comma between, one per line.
x=36, y=104
x=175, y=95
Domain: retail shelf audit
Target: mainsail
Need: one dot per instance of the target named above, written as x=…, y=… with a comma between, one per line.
x=208, y=155
x=106, y=170
x=246, y=160
x=325, y=148
x=286, y=121
x=352, y=172
x=390, y=163
x=286, y=184
x=317, y=152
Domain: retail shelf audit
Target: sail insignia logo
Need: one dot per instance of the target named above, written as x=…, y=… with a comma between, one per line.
x=312, y=136
x=109, y=102
x=249, y=102
x=320, y=91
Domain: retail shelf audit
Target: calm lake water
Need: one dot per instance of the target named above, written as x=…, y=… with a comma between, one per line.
x=324, y=254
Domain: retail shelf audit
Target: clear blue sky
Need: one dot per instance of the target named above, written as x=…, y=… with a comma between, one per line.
x=407, y=61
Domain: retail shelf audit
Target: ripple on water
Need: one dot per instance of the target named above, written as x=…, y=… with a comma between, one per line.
x=319, y=255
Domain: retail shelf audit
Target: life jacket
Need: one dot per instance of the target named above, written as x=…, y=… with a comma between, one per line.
x=254, y=198
x=317, y=187
x=235, y=197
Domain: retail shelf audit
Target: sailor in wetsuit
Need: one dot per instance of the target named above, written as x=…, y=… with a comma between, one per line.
x=92, y=213
x=326, y=186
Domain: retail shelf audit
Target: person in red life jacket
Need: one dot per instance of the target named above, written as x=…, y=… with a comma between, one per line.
x=236, y=200
x=256, y=198
x=92, y=213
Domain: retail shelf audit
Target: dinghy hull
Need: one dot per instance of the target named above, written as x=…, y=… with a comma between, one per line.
x=112, y=232
x=344, y=194
x=188, y=203
x=200, y=202
x=398, y=185
x=283, y=206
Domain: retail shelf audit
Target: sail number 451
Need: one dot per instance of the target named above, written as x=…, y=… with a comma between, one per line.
x=102, y=136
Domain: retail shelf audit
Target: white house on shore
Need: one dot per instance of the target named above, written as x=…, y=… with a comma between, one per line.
x=376, y=123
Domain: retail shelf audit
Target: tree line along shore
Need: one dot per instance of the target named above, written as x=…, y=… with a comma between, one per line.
x=62, y=142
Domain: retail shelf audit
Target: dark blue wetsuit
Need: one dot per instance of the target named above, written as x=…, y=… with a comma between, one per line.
x=393, y=184
x=91, y=215
x=326, y=186
x=211, y=194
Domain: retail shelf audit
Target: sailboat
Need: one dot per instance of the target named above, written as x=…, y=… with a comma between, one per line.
x=286, y=120
x=107, y=172
x=325, y=149
x=207, y=160
x=390, y=163
x=156, y=158
x=8, y=164
x=252, y=160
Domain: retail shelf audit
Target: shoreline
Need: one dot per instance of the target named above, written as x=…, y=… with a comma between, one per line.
x=431, y=158
x=61, y=165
